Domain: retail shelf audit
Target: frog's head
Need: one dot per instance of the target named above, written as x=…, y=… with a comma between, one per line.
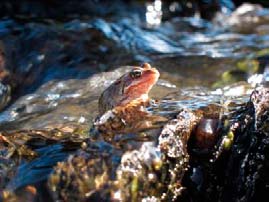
x=134, y=85
x=137, y=83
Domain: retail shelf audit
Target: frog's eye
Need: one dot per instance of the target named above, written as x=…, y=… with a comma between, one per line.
x=136, y=73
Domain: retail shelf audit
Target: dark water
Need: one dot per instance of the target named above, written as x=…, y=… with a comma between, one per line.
x=53, y=71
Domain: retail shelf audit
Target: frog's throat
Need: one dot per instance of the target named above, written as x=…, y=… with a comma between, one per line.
x=143, y=98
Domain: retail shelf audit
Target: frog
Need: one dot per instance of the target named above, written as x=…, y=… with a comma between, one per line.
x=132, y=87
x=123, y=105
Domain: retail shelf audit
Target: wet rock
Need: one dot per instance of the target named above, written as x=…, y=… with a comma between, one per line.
x=250, y=152
x=21, y=150
x=85, y=176
x=173, y=143
x=248, y=17
x=246, y=163
x=206, y=133
x=239, y=171
x=175, y=135
x=139, y=174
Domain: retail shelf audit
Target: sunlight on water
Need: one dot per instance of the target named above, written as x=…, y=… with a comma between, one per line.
x=154, y=12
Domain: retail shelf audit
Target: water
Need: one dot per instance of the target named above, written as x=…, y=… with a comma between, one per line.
x=56, y=71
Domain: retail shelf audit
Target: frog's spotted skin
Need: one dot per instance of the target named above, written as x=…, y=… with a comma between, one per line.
x=134, y=85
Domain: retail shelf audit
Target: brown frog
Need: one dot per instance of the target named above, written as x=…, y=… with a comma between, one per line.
x=122, y=104
x=132, y=86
